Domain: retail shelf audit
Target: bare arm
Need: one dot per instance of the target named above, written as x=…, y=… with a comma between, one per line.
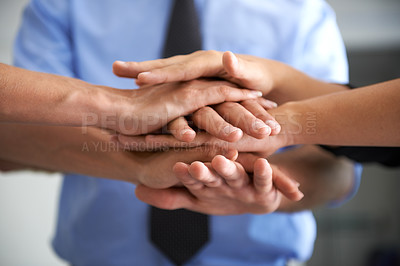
x=278, y=82
x=323, y=177
x=365, y=116
x=41, y=98
x=34, y=97
x=368, y=116
x=89, y=152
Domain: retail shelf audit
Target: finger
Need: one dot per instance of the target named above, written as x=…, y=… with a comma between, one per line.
x=286, y=185
x=205, y=154
x=208, y=119
x=176, y=72
x=181, y=171
x=204, y=174
x=247, y=160
x=247, y=73
x=239, y=116
x=259, y=111
x=169, y=199
x=267, y=104
x=209, y=93
x=132, y=69
x=192, y=66
x=233, y=173
x=262, y=176
x=181, y=130
x=231, y=64
x=125, y=69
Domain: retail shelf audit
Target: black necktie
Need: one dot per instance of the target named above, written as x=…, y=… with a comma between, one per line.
x=179, y=234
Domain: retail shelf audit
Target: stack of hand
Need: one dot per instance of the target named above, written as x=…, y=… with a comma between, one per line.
x=218, y=94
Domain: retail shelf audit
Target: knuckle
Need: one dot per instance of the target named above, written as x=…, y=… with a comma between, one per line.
x=215, y=183
x=188, y=93
x=201, y=112
x=211, y=152
x=179, y=68
x=246, y=103
x=199, y=52
x=223, y=90
x=230, y=175
x=213, y=53
x=190, y=183
x=229, y=105
x=169, y=203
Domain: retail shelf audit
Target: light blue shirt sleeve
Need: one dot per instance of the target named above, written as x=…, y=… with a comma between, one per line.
x=43, y=42
x=321, y=39
x=354, y=188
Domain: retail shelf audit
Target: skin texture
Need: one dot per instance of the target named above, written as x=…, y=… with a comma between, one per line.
x=91, y=153
x=322, y=177
x=40, y=98
x=337, y=118
x=228, y=182
x=367, y=116
x=267, y=76
x=248, y=185
x=224, y=187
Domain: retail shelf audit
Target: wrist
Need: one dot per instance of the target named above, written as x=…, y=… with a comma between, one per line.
x=106, y=108
x=278, y=74
x=288, y=117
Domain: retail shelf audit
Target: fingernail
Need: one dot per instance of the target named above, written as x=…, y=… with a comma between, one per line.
x=144, y=73
x=256, y=94
x=261, y=127
x=230, y=129
x=122, y=63
x=188, y=133
x=272, y=124
x=272, y=104
x=301, y=195
x=184, y=131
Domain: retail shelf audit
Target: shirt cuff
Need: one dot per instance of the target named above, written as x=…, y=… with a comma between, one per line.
x=356, y=184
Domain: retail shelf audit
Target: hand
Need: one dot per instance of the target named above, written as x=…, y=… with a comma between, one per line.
x=156, y=169
x=245, y=70
x=151, y=107
x=249, y=116
x=223, y=187
x=262, y=147
x=227, y=120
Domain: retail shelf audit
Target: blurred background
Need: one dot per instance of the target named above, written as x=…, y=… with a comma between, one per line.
x=364, y=231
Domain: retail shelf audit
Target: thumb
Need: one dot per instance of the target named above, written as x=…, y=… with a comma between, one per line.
x=231, y=65
x=245, y=72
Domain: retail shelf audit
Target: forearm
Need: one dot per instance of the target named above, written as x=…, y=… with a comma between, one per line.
x=67, y=149
x=6, y=166
x=41, y=98
x=290, y=84
x=323, y=178
x=366, y=116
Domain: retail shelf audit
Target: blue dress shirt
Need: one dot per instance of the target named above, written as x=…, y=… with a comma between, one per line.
x=100, y=221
